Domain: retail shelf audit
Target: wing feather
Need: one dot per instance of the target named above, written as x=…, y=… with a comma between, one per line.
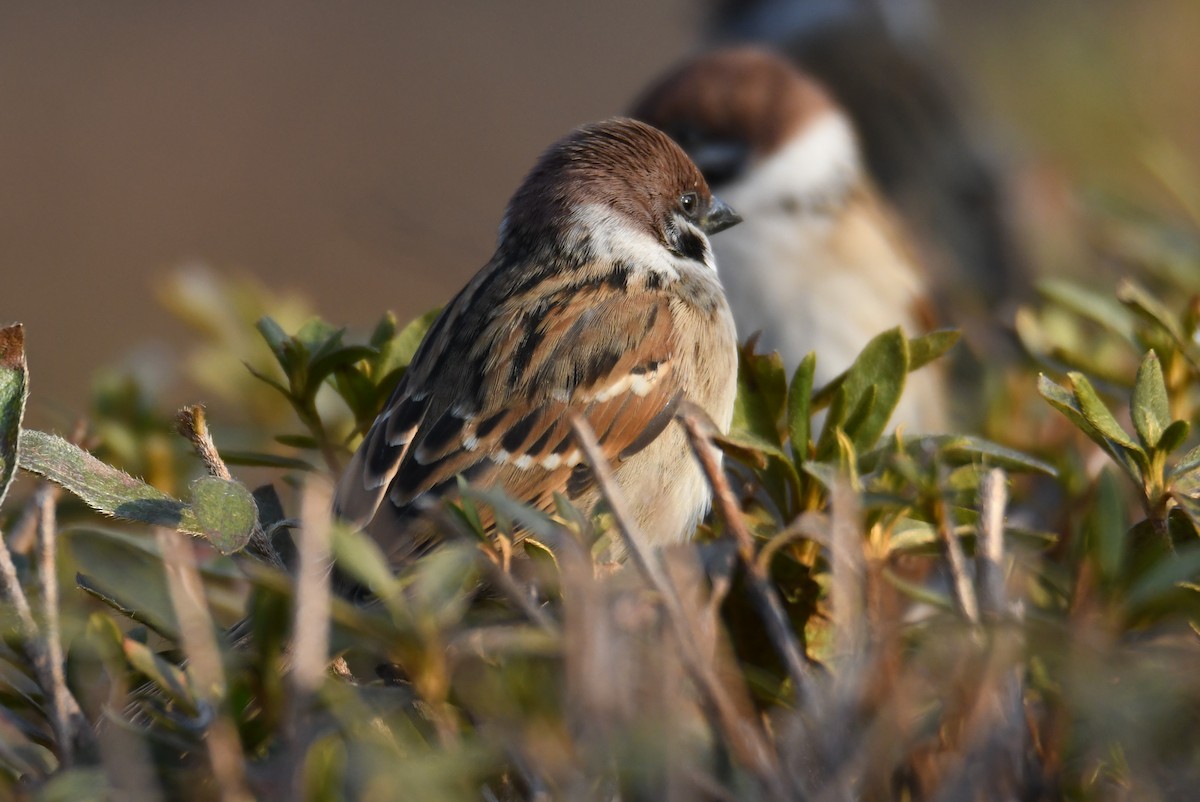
x=498, y=409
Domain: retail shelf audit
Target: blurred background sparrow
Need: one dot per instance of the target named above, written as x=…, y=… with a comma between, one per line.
x=921, y=141
x=601, y=302
x=821, y=263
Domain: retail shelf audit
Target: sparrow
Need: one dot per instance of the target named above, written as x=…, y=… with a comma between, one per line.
x=919, y=134
x=601, y=301
x=821, y=262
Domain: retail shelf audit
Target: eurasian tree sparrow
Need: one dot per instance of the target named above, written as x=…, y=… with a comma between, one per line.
x=917, y=129
x=601, y=300
x=820, y=263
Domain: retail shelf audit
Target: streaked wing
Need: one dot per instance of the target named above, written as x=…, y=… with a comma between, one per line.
x=499, y=413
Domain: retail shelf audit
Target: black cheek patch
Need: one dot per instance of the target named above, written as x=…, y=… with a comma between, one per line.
x=690, y=245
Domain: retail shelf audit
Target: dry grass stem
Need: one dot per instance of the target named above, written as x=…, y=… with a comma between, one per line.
x=196, y=631
x=989, y=553
x=964, y=590
x=847, y=591
x=68, y=718
x=310, y=622
x=744, y=734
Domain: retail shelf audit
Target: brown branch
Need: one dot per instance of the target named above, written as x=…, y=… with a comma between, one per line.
x=700, y=430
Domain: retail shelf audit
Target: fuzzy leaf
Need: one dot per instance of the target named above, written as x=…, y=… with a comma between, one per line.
x=225, y=511
x=399, y=351
x=799, y=414
x=168, y=678
x=1067, y=403
x=1097, y=412
x=14, y=389
x=384, y=330
x=880, y=369
x=1099, y=307
x=1187, y=463
x=1174, y=436
x=277, y=339
x=102, y=487
x=1150, y=412
x=263, y=460
x=1105, y=527
x=1134, y=296
x=926, y=348
x=755, y=413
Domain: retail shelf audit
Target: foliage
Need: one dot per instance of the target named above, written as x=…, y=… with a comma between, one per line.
x=868, y=615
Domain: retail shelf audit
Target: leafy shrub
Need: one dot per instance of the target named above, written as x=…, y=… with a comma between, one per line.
x=869, y=615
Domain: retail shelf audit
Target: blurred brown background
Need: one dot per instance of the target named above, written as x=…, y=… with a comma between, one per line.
x=362, y=154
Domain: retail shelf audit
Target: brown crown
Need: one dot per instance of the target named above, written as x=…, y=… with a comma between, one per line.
x=623, y=164
x=742, y=94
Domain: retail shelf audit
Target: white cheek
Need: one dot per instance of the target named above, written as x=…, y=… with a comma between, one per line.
x=819, y=163
x=614, y=239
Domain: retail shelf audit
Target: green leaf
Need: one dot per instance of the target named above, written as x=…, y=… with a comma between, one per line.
x=1097, y=413
x=1150, y=412
x=125, y=572
x=1099, y=307
x=1137, y=298
x=1163, y=577
x=360, y=557
x=957, y=447
x=757, y=407
x=1187, y=463
x=928, y=347
x=1106, y=526
x=102, y=487
x=318, y=337
x=384, y=330
x=297, y=440
x=263, y=460
x=277, y=339
x=400, y=350
x=262, y=377
x=14, y=390
x=1174, y=436
x=799, y=415
x=538, y=523
x=336, y=359
x=165, y=676
x=881, y=368
x=226, y=512
x=1067, y=403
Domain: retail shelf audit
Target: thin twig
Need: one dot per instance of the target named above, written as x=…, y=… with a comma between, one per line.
x=310, y=621
x=964, y=591
x=500, y=578
x=700, y=430
x=191, y=423
x=744, y=735
x=989, y=553
x=200, y=645
x=847, y=592
x=68, y=718
x=32, y=641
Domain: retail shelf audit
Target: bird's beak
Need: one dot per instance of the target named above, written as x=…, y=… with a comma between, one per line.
x=720, y=217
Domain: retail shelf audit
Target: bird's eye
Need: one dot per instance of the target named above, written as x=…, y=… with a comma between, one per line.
x=690, y=202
